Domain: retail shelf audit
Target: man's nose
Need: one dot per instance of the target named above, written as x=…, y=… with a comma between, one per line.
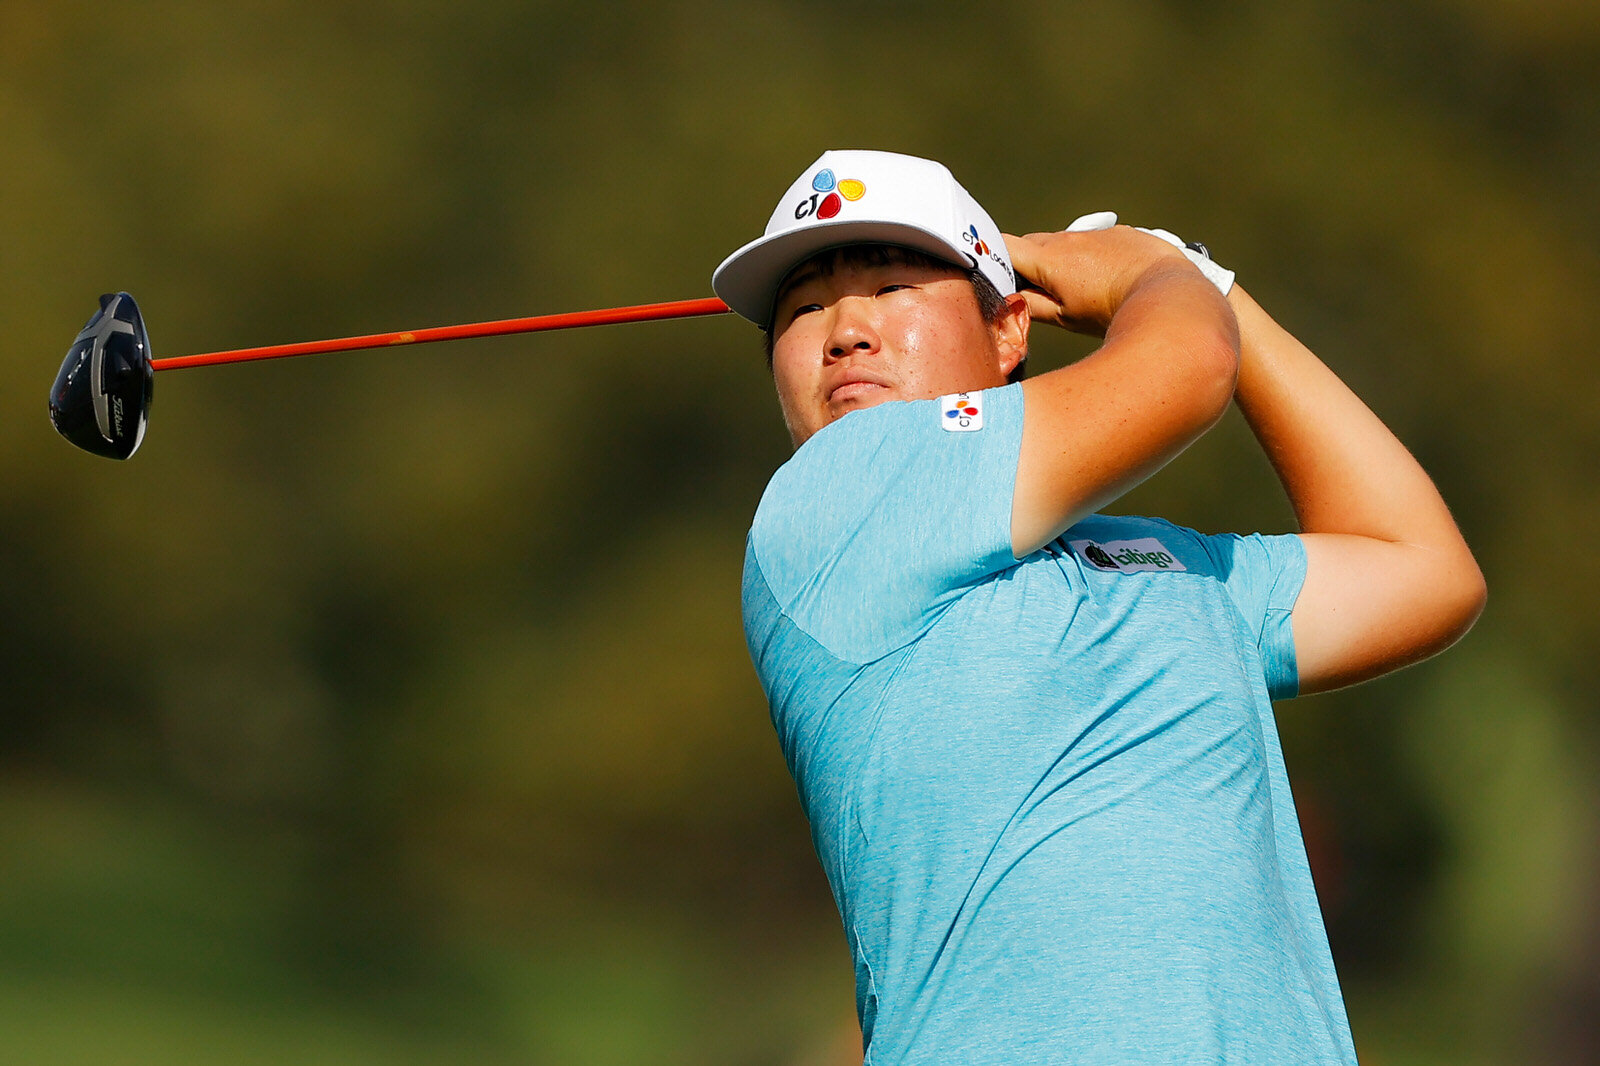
x=853, y=332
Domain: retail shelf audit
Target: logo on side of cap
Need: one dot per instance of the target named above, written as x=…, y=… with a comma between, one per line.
x=981, y=249
x=972, y=238
x=828, y=195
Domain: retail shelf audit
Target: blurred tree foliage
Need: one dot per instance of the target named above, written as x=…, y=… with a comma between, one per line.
x=392, y=707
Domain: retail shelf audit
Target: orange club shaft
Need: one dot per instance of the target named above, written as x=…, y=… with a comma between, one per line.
x=541, y=323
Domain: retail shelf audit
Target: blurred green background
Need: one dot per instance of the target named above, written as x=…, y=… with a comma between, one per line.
x=393, y=708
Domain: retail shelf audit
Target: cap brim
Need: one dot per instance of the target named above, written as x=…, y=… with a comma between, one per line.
x=748, y=279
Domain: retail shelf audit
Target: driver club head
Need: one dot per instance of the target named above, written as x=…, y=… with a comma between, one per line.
x=101, y=398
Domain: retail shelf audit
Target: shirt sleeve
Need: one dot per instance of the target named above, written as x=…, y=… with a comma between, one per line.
x=1263, y=576
x=884, y=517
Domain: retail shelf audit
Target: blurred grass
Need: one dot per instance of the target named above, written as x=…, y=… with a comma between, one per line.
x=141, y=935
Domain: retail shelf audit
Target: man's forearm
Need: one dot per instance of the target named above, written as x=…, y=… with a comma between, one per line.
x=1098, y=427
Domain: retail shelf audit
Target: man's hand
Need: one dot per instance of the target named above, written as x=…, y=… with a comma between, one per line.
x=1078, y=278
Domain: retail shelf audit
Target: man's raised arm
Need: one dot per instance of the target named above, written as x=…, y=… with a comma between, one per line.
x=1096, y=428
x=1389, y=578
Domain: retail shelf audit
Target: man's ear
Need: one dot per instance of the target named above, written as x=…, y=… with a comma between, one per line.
x=1011, y=333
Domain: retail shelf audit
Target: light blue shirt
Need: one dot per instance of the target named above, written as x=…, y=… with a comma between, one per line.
x=1048, y=793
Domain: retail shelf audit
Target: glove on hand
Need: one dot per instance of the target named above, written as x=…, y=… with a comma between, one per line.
x=1215, y=273
x=1092, y=221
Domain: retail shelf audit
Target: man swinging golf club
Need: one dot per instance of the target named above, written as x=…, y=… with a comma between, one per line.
x=1036, y=743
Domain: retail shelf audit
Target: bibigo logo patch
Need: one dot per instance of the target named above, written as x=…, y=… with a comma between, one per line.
x=828, y=195
x=1127, y=556
x=961, y=412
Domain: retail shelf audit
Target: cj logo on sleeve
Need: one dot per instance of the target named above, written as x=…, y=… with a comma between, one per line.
x=961, y=412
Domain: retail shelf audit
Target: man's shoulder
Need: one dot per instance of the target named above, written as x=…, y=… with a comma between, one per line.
x=881, y=517
x=848, y=458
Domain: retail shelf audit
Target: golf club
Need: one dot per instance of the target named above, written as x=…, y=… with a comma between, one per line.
x=101, y=398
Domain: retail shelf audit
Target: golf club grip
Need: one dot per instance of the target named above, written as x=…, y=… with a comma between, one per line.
x=604, y=317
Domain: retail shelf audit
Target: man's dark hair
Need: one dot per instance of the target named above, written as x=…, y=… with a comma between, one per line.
x=991, y=305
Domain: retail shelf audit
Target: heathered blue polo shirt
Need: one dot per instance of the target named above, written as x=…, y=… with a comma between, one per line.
x=1048, y=793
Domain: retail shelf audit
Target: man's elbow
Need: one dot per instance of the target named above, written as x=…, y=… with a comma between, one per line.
x=1216, y=371
x=1472, y=596
x=1460, y=594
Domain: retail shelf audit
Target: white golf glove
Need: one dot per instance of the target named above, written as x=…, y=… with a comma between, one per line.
x=1215, y=273
x=1093, y=220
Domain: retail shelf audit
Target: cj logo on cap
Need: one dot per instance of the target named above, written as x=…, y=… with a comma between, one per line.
x=972, y=238
x=961, y=412
x=985, y=252
x=825, y=201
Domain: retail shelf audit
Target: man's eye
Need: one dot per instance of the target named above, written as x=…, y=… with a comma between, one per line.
x=892, y=288
x=804, y=309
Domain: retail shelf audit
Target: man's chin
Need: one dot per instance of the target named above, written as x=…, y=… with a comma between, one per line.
x=839, y=406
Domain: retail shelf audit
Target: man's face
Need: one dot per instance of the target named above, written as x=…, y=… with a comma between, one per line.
x=852, y=334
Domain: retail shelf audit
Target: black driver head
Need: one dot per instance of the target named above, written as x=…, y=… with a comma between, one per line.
x=101, y=398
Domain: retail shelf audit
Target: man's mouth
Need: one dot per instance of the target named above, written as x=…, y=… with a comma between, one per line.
x=855, y=390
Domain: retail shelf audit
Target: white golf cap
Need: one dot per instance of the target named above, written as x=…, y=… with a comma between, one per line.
x=860, y=197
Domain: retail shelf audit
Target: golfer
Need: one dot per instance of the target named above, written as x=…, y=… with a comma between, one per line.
x=1035, y=743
